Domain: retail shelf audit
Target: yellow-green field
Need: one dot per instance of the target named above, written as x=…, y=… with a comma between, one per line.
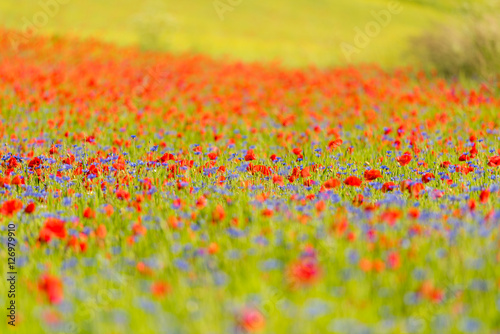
x=298, y=32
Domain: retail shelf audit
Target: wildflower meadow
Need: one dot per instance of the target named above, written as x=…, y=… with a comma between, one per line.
x=154, y=192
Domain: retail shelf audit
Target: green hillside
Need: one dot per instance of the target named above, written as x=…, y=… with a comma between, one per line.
x=297, y=32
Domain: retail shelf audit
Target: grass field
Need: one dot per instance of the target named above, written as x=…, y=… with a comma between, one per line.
x=299, y=33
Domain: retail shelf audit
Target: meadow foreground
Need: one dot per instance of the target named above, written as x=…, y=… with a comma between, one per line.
x=152, y=193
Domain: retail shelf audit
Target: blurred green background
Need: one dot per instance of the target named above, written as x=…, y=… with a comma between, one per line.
x=295, y=32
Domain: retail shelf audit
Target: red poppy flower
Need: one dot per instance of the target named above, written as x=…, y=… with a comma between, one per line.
x=53, y=227
x=494, y=161
x=394, y=260
x=366, y=265
x=352, y=181
x=445, y=164
x=30, y=208
x=278, y=179
x=201, y=202
x=35, y=162
x=12, y=163
x=11, y=206
x=309, y=183
x=160, y=289
x=144, y=269
x=388, y=186
x=4, y=181
x=320, y=206
x=331, y=184
x=378, y=265
x=428, y=291
x=88, y=213
x=415, y=189
x=93, y=170
x=69, y=160
x=472, y=204
x=413, y=213
x=218, y=214
x=473, y=151
x=251, y=320
x=53, y=150
x=464, y=157
x=168, y=157
x=334, y=144
x=122, y=194
x=372, y=174
x=52, y=287
x=428, y=177
x=213, y=248
x=305, y=172
x=298, y=152
x=303, y=272
x=250, y=155
x=101, y=231
x=390, y=216
x=139, y=229
x=267, y=212
x=78, y=244
x=17, y=180
x=484, y=195
x=108, y=210
x=358, y=200
x=404, y=159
